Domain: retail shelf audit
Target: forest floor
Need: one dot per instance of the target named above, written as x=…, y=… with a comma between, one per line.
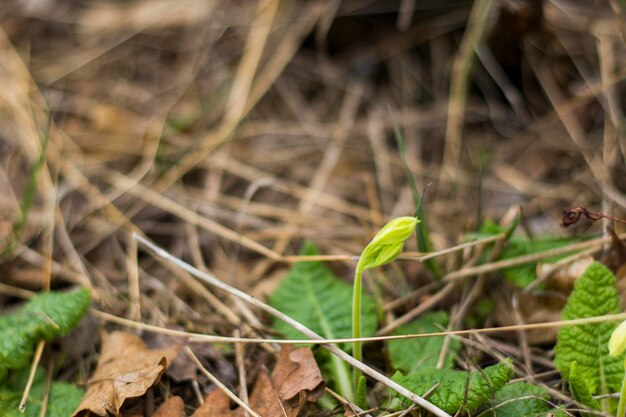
x=231, y=133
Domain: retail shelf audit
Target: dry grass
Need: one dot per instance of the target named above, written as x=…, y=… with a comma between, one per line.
x=229, y=132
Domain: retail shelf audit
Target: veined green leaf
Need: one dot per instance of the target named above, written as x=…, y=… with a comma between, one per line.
x=594, y=295
x=45, y=316
x=580, y=391
x=410, y=355
x=62, y=401
x=452, y=393
x=519, y=399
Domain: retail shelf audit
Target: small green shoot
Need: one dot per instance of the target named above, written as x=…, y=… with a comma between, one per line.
x=327, y=311
x=580, y=390
x=384, y=248
x=617, y=347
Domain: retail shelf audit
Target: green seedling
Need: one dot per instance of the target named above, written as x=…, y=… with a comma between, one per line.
x=384, y=248
x=617, y=346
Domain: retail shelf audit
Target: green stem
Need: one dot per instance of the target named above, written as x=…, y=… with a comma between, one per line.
x=356, y=323
x=342, y=373
x=621, y=408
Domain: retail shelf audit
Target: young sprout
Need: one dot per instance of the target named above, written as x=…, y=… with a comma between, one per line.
x=617, y=346
x=384, y=248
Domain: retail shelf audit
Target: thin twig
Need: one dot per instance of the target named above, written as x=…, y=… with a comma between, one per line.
x=205, y=338
x=134, y=292
x=31, y=375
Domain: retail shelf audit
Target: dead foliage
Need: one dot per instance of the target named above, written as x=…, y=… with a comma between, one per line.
x=230, y=132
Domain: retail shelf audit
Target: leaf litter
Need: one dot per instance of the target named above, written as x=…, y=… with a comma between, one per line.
x=169, y=123
x=296, y=380
x=126, y=369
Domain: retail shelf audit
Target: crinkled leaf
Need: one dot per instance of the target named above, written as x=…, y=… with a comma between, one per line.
x=409, y=355
x=317, y=298
x=594, y=295
x=62, y=400
x=580, y=391
x=361, y=392
x=452, y=393
x=45, y=316
x=522, y=275
x=520, y=399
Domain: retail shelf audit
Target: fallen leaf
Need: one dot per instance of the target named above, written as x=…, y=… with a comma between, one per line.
x=173, y=407
x=126, y=369
x=296, y=372
x=216, y=404
x=296, y=380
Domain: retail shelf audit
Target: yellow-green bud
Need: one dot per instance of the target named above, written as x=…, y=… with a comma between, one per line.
x=388, y=243
x=617, y=342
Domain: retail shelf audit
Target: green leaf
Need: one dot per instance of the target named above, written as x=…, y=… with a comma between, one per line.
x=62, y=401
x=580, y=391
x=452, y=393
x=594, y=295
x=313, y=295
x=46, y=316
x=410, y=355
x=520, y=399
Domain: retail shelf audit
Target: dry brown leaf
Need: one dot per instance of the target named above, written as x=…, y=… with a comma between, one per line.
x=296, y=372
x=216, y=404
x=174, y=407
x=296, y=379
x=126, y=369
